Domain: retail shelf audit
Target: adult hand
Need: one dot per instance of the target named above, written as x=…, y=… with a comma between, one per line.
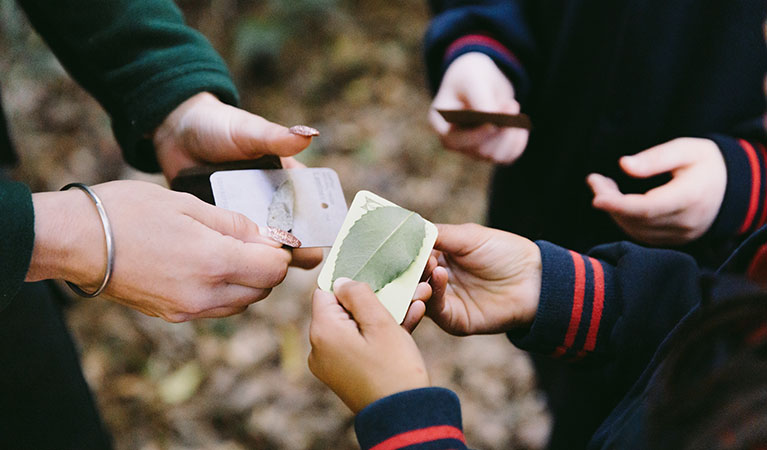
x=176, y=257
x=473, y=81
x=358, y=349
x=677, y=212
x=487, y=281
x=204, y=130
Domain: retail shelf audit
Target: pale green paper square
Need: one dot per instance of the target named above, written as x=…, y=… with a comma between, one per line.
x=396, y=295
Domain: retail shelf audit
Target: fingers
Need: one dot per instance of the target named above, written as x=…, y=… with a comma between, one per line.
x=468, y=140
x=362, y=303
x=655, y=203
x=327, y=314
x=306, y=258
x=438, y=282
x=255, y=136
x=254, y=265
x=422, y=292
x=431, y=264
x=662, y=158
x=289, y=162
x=505, y=146
x=417, y=307
x=414, y=316
x=325, y=305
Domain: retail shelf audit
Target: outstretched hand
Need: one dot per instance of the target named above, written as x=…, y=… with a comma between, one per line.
x=204, y=130
x=485, y=280
x=358, y=349
x=677, y=212
x=473, y=81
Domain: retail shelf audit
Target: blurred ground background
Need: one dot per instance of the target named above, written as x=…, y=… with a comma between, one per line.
x=353, y=70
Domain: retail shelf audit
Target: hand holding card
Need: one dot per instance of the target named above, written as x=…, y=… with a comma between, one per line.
x=383, y=245
x=358, y=350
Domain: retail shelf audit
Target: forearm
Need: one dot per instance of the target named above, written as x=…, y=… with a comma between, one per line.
x=137, y=57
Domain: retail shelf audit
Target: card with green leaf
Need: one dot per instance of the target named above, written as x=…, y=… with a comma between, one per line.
x=383, y=245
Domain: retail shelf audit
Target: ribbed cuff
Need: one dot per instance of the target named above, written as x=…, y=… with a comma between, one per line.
x=575, y=290
x=420, y=417
x=504, y=58
x=157, y=99
x=17, y=223
x=743, y=208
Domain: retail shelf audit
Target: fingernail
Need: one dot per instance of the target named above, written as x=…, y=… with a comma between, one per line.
x=303, y=130
x=283, y=237
x=340, y=282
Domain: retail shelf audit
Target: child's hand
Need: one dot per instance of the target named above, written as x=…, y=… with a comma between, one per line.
x=358, y=349
x=681, y=210
x=473, y=81
x=487, y=281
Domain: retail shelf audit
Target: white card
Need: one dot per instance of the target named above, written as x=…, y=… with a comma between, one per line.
x=319, y=207
x=396, y=295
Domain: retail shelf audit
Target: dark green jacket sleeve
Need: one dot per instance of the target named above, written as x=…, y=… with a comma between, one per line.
x=17, y=222
x=137, y=57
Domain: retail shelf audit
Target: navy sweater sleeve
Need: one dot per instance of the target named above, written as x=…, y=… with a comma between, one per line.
x=612, y=308
x=420, y=419
x=497, y=28
x=137, y=57
x=744, y=208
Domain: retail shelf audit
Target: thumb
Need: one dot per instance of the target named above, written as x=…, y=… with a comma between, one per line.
x=229, y=223
x=656, y=160
x=360, y=300
x=255, y=136
x=459, y=240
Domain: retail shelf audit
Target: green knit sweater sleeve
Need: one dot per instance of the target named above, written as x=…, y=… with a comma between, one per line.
x=17, y=225
x=137, y=57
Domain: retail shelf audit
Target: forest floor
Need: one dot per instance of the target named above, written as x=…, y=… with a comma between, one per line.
x=354, y=71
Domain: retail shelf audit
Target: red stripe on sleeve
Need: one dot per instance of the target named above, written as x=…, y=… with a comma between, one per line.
x=414, y=437
x=579, y=289
x=763, y=216
x=757, y=269
x=753, y=203
x=479, y=39
x=598, y=306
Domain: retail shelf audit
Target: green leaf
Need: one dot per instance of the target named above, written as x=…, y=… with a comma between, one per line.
x=380, y=246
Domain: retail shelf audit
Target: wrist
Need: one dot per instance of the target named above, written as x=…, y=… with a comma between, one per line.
x=69, y=243
x=531, y=287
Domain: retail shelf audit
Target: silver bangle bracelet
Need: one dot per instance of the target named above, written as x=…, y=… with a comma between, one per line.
x=109, y=240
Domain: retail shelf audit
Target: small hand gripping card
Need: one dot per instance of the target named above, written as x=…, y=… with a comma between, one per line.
x=383, y=245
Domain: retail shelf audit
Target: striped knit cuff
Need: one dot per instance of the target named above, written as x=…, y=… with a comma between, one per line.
x=502, y=56
x=575, y=297
x=743, y=208
x=425, y=418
